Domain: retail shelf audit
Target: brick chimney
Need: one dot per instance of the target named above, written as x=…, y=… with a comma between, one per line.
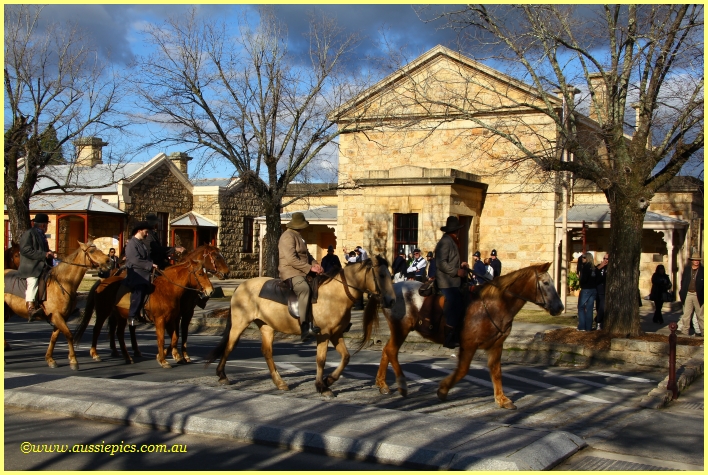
x=599, y=93
x=180, y=160
x=89, y=151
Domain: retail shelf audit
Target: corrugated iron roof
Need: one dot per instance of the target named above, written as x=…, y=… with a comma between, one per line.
x=601, y=213
x=193, y=219
x=68, y=203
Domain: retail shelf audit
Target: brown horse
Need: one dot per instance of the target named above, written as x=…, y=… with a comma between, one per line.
x=12, y=256
x=62, y=283
x=214, y=263
x=487, y=323
x=331, y=313
x=162, y=306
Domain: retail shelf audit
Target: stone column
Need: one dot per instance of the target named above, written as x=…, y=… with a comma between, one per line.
x=261, y=235
x=669, y=240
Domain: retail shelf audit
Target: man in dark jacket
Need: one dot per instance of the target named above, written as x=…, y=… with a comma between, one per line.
x=495, y=263
x=34, y=257
x=158, y=253
x=479, y=269
x=400, y=264
x=139, y=266
x=691, y=294
x=331, y=260
x=431, y=266
x=448, y=277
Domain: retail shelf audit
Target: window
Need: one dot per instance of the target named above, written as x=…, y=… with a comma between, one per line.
x=162, y=227
x=405, y=231
x=248, y=234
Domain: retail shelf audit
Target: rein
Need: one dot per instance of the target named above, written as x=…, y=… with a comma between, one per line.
x=201, y=287
x=347, y=286
x=93, y=265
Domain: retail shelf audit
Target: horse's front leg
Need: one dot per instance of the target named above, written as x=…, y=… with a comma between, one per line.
x=174, y=336
x=160, y=332
x=112, y=329
x=62, y=327
x=321, y=360
x=50, y=350
x=463, y=366
x=267, y=335
x=184, y=322
x=494, y=365
x=120, y=333
x=134, y=342
x=338, y=343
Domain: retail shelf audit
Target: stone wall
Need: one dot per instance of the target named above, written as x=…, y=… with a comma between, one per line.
x=105, y=232
x=236, y=204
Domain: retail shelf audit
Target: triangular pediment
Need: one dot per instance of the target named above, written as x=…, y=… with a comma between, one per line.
x=441, y=82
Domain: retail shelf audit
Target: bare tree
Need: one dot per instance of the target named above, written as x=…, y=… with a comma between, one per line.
x=246, y=98
x=628, y=58
x=56, y=90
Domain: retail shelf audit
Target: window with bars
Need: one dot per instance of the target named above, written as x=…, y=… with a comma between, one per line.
x=248, y=234
x=405, y=231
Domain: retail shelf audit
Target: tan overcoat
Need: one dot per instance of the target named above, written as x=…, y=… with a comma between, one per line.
x=294, y=258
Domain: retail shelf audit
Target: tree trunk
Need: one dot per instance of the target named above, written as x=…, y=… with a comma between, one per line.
x=622, y=300
x=270, y=241
x=19, y=215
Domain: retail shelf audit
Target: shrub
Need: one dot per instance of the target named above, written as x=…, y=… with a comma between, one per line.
x=573, y=281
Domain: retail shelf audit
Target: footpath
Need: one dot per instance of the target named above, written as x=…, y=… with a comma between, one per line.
x=406, y=439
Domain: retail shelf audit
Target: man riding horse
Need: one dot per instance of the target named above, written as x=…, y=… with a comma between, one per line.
x=295, y=263
x=139, y=267
x=34, y=257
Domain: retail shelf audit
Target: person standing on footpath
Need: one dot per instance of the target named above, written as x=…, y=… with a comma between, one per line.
x=660, y=284
x=140, y=265
x=158, y=253
x=495, y=263
x=330, y=261
x=417, y=267
x=691, y=294
x=34, y=257
x=449, y=276
x=400, y=264
x=588, y=291
x=601, y=280
x=431, y=266
x=479, y=270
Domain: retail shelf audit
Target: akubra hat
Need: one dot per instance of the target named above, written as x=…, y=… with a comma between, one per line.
x=41, y=218
x=140, y=225
x=452, y=225
x=298, y=221
x=695, y=257
x=151, y=218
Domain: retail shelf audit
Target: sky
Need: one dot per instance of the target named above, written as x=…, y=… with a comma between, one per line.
x=115, y=31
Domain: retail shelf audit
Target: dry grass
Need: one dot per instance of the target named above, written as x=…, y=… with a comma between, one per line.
x=543, y=317
x=601, y=340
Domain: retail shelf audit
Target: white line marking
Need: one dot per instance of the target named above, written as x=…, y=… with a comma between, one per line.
x=568, y=392
x=418, y=379
x=481, y=382
x=609, y=387
x=621, y=376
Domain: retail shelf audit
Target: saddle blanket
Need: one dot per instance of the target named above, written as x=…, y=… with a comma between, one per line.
x=278, y=291
x=17, y=286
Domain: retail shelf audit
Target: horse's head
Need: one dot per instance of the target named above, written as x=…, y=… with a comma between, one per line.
x=91, y=256
x=210, y=256
x=548, y=297
x=383, y=284
x=199, y=279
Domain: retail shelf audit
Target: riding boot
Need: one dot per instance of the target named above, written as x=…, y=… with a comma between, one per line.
x=35, y=313
x=452, y=339
x=308, y=330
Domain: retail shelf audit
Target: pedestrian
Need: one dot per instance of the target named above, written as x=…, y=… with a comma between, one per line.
x=399, y=267
x=449, y=274
x=479, y=270
x=114, y=264
x=410, y=259
x=295, y=262
x=363, y=255
x=691, y=294
x=495, y=263
x=431, y=266
x=588, y=291
x=660, y=285
x=488, y=267
x=417, y=267
x=353, y=258
x=601, y=280
x=35, y=256
x=140, y=266
x=331, y=261
x=158, y=252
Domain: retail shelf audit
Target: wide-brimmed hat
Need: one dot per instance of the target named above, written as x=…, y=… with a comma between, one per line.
x=298, y=221
x=452, y=225
x=695, y=257
x=151, y=218
x=140, y=225
x=494, y=252
x=41, y=218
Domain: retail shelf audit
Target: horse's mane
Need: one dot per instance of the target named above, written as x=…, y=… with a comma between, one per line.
x=69, y=258
x=499, y=285
x=187, y=255
x=368, y=263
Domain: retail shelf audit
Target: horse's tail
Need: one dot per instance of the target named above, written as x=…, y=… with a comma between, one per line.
x=370, y=321
x=218, y=352
x=86, y=316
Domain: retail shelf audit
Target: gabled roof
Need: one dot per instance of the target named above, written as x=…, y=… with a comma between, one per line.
x=436, y=53
x=193, y=219
x=318, y=215
x=53, y=203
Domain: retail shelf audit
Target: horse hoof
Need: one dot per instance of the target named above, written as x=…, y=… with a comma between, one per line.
x=187, y=360
x=327, y=394
x=329, y=380
x=403, y=392
x=284, y=387
x=442, y=395
x=508, y=405
x=163, y=363
x=384, y=391
x=74, y=366
x=52, y=364
x=137, y=354
x=224, y=381
x=96, y=358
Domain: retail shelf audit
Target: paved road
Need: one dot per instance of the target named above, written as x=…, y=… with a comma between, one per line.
x=580, y=401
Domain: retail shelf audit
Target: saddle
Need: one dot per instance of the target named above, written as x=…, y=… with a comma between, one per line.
x=281, y=291
x=430, y=315
x=17, y=286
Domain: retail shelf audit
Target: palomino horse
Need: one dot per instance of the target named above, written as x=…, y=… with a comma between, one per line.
x=486, y=324
x=62, y=283
x=331, y=313
x=214, y=263
x=162, y=306
x=12, y=256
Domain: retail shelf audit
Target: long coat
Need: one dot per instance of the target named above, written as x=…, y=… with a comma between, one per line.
x=138, y=262
x=447, y=261
x=686, y=281
x=294, y=258
x=33, y=253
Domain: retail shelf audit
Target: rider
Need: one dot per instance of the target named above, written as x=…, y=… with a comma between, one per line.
x=158, y=253
x=448, y=277
x=34, y=257
x=295, y=263
x=139, y=267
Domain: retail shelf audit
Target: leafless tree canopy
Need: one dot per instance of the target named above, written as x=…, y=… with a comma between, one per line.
x=56, y=90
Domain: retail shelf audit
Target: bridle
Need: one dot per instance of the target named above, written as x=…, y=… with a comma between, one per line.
x=93, y=265
x=201, y=291
x=343, y=276
x=213, y=262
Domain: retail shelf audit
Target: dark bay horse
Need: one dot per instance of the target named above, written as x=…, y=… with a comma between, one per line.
x=214, y=263
x=63, y=281
x=487, y=323
x=12, y=256
x=331, y=313
x=162, y=306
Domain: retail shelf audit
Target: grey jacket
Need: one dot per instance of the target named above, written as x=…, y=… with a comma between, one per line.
x=33, y=253
x=447, y=262
x=138, y=262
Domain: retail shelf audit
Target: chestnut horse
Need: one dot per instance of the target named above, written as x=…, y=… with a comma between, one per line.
x=214, y=263
x=12, y=256
x=486, y=324
x=331, y=313
x=162, y=306
x=62, y=283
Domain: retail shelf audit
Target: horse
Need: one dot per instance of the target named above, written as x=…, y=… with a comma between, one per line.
x=213, y=262
x=62, y=282
x=332, y=313
x=12, y=256
x=486, y=324
x=162, y=306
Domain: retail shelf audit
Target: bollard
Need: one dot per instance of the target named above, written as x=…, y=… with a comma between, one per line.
x=671, y=386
